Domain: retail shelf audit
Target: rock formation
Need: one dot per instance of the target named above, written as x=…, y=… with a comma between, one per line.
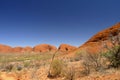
x=66, y=47
x=44, y=48
x=5, y=49
x=17, y=50
x=27, y=49
x=94, y=44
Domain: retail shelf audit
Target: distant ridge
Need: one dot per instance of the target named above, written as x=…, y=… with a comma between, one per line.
x=37, y=49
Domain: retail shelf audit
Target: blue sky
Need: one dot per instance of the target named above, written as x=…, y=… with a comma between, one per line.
x=32, y=22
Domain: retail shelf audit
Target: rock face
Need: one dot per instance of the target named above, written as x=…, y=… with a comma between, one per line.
x=27, y=49
x=95, y=42
x=44, y=48
x=5, y=49
x=17, y=50
x=66, y=47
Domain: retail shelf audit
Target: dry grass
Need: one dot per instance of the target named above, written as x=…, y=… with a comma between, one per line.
x=36, y=67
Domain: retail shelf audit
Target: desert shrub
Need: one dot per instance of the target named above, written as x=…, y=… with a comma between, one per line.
x=113, y=56
x=26, y=64
x=38, y=65
x=78, y=55
x=9, y=67
x=71, y=59
x=56, y=68
x=92, y=62
x=77, y=58
x=113, y=51
x=69, y=73
x=86, y=68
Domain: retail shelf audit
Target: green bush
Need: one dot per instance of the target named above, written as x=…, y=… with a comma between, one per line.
x=113, y=56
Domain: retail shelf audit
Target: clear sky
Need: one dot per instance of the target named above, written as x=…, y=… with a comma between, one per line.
x=31, y=22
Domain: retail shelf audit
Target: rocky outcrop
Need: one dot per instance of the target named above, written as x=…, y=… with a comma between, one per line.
x=17, y=50
x=27, y=49
x=5, y=49
x=37, y=49
x=44, y=48
x=94, y=44
x=66, y=47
